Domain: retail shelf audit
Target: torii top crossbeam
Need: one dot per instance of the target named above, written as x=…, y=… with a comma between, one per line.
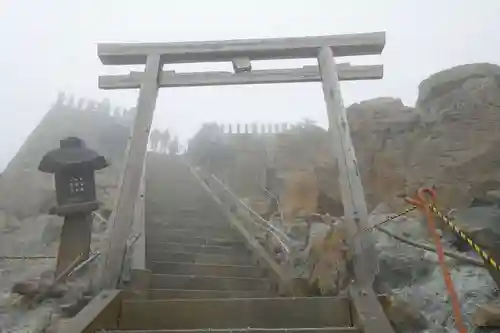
x=255, y=49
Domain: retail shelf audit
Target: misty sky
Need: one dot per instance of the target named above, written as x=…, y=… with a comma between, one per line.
x=50, y=45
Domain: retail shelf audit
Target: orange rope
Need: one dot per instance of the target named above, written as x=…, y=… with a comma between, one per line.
x=425, y=206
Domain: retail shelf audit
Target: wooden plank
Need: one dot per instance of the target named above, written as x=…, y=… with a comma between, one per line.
x=101, y=313
x=366, y=310
x=254, y=49
x=120, y=223
x=205, y=269
x=159, y=234
x=185, y=248
x=254, y=330
x=364, y=256
x=194, y=282
x=236, y=313
x=201, y=258
x=197, y=240
x=190, y=294
x=170, y=79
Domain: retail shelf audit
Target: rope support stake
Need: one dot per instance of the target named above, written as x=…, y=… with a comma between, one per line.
x=424, y=205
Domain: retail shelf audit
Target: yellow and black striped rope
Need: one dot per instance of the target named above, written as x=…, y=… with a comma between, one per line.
x=390, y=218
x=484, y=255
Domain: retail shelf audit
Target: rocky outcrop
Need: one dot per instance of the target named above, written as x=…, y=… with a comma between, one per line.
x=457, y=148
x=450, y=141
x=442, y=83
x=382, y=131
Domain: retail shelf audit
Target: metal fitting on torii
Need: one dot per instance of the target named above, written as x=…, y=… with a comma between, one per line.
x=242, y=65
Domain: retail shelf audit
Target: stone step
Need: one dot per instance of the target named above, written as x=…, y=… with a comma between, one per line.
x=169, y=216
x=159, y=234
x=249, y=330
x=182, y=224
x=190, y=227
x=202, y=215
x=199, y=294
x=187, y=248
x=214, y=259
x=158, y=267
x=209, y=225
x=200, y=211
x=170, y=207
x=236, y=313
x=200, y=241
x=189, y=188
x=178, y=199
x=193, y=282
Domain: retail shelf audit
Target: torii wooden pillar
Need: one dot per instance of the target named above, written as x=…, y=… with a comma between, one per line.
x=241, y=53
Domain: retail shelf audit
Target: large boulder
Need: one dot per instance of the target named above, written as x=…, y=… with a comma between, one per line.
x=400, y=264
x=481, y=224
x=450, y=140
x=382, y=130
x=457, y=147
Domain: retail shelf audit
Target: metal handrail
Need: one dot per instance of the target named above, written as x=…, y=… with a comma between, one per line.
x=278, y=203
x=276, y=232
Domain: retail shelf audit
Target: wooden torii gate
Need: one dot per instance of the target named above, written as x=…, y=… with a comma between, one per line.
x=241, y=53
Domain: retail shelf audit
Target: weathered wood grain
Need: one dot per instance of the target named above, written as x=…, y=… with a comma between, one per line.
x=365, y=261
x=170, y=79
x=121, y=221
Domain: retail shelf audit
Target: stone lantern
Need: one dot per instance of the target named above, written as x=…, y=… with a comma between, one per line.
x=73, y=166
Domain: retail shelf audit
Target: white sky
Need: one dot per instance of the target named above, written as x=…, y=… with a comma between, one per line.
x=50, y=45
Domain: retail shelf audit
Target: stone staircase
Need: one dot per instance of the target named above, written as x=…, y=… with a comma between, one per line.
x=203, y=276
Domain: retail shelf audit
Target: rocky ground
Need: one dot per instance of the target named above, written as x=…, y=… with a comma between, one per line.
x=33, y=239
x=414, y=276
x=411, y=276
